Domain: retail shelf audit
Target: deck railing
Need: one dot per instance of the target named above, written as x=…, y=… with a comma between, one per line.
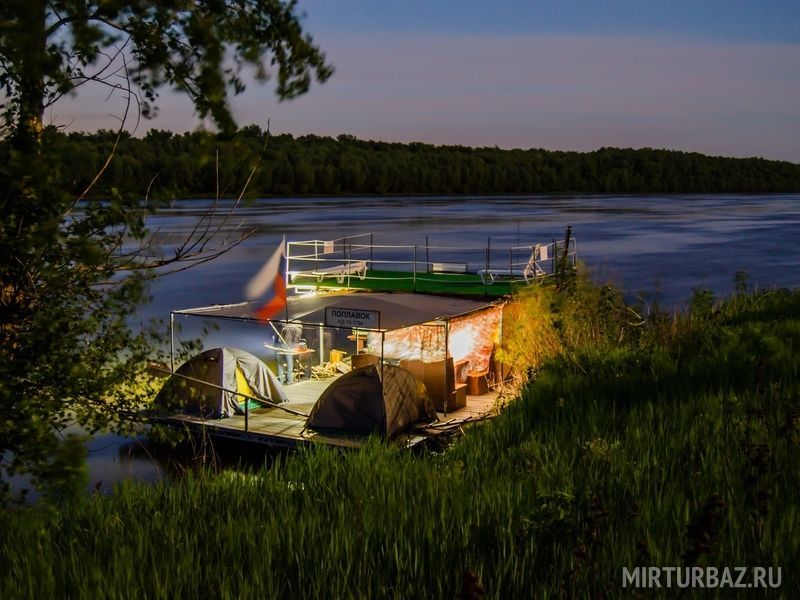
x=357, y=257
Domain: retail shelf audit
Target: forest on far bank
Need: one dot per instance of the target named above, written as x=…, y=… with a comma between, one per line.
x=167, y=164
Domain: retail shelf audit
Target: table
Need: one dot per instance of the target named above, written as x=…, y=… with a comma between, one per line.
x=289, y=354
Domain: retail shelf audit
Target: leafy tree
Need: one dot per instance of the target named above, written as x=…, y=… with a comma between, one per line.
x=72, y=269
x=186, y=165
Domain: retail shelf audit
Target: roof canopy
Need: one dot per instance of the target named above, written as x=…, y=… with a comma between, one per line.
x=397, y=310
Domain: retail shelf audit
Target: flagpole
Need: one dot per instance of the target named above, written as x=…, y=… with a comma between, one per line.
x=286, y=258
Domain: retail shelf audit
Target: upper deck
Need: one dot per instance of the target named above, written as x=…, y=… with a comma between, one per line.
x=356, y=262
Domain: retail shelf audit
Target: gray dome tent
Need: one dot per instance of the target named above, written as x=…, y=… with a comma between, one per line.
x=360, y=402
x=229, y=368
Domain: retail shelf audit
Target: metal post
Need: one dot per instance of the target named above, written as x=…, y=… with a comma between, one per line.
x=383, y=389
x=321, y=344
x=347, y=262
x=485, y=279
x=446, y=356
x=286, y=274
x=286, y=258
x=414, y=271
x=567, y=237
x=246, y=414
x=172, y=341
x=427, y=256
x=370, y=248
x=383, y=340
x=564, y=257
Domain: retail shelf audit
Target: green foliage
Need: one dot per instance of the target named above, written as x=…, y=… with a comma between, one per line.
x=636, y=457
x=197, y=47
x=64, y=311
x=73, y=270
x=345, y=165
x=530, y=332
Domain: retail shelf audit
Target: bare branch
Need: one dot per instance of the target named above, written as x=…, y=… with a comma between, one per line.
x=255, y=167
x=100, y=76
x=110, y=156
x=250, y=176
x=198, y=246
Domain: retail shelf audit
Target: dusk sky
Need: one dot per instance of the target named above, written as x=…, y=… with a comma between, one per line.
x=712, y=76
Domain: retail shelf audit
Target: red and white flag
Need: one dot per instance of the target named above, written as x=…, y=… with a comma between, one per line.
x=270, y=281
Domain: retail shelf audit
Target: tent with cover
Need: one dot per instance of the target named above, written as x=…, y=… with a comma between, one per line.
x=361, y=402
x=229, y=368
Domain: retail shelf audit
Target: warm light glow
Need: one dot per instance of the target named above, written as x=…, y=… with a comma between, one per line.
x=419, y=342
x=462, y=341
x=471, y=338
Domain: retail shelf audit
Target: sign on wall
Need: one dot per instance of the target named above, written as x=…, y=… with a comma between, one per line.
x=336, y=316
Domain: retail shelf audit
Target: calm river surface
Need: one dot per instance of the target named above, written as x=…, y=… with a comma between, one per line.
x=654, y=247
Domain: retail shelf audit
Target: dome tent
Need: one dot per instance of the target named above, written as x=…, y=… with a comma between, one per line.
x=229, y=368
x=360, y=402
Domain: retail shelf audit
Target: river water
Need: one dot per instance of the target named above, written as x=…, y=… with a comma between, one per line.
x=654, y=247
x=660, y=247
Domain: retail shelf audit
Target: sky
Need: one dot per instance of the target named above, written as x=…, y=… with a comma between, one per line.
x=721, y=77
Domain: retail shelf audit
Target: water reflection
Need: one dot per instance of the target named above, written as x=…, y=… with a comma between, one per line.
x=112, y=459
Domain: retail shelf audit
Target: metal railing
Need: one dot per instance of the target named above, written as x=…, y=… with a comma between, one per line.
x=348, y=258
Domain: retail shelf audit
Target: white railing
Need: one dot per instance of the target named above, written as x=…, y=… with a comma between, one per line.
x=349, y=258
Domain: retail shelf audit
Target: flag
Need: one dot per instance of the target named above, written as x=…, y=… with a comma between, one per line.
x=270, y=280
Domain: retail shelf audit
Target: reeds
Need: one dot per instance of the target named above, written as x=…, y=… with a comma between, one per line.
x=674, y=443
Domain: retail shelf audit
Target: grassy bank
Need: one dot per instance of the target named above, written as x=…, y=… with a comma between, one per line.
x=662, y=440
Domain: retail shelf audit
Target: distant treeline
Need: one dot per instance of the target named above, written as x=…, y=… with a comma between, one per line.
x=163, y=163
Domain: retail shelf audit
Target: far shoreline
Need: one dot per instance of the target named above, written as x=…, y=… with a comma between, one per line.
x=226, y=198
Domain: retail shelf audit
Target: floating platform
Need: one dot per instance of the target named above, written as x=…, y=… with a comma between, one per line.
x=431, y=315
x=277, y=428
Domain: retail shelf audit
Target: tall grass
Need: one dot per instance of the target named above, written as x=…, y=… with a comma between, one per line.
x=663, y=440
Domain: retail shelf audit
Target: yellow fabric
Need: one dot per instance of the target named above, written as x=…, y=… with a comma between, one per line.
x=242, y=386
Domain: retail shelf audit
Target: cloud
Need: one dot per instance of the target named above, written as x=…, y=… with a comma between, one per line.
x=575, y=92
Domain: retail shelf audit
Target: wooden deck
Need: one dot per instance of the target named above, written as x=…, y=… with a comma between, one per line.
x=278, y=428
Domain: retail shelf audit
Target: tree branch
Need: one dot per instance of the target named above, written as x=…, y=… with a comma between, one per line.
x=110, y=156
